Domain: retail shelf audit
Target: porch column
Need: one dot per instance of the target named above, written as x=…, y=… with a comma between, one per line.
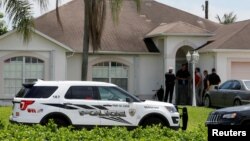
x=169, y=61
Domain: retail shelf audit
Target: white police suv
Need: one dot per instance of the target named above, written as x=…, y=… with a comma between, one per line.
x=89, y=104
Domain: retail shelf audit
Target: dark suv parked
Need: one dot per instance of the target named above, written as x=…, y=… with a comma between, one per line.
x=236, y=115
x=229, y=122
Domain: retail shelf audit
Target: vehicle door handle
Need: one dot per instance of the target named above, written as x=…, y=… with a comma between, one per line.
x=107, y=105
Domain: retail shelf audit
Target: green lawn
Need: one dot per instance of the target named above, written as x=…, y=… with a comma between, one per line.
x=196, y=116
x=5, y=113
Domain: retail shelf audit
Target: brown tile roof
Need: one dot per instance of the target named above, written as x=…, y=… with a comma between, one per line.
x=232, y=36
x=178, y=28
x=127, y=36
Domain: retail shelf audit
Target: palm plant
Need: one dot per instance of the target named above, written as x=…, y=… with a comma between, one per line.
x=227, y=18
x=3, y=28
x=20, y=13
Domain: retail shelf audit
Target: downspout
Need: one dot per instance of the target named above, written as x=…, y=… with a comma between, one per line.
x=71, y=54
x=52, y=65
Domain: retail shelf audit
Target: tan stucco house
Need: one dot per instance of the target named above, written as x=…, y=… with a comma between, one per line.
x=134, y=54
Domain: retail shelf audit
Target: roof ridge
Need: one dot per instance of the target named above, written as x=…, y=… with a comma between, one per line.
x=196, y=26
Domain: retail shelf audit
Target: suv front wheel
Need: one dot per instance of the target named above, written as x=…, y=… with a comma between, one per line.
x=150, y=121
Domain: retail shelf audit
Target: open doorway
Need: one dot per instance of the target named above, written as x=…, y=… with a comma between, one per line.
x=183, y=97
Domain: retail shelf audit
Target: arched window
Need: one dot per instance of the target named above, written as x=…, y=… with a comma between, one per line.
x=112, y=72
x=19, y=70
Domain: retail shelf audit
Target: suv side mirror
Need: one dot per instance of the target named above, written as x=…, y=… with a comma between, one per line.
x=129, y=100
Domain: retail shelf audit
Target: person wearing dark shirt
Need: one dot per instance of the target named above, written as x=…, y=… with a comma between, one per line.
x=213, y=79
x=169, y=83
x=183, y=76
x=205, y=84
x=198, y=85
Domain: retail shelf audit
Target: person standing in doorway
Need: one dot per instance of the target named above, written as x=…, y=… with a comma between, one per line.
x=183, y=76
x=205, y=84
x=198, y=85
x=169, y=83
x=213, y=79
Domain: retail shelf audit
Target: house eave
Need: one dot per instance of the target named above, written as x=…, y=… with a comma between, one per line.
x=225, y=50
x=53, y=40
x=123, y=53
x=180, y=34
x=41, y=34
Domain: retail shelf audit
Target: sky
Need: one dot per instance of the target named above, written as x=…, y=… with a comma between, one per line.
x=239, y=7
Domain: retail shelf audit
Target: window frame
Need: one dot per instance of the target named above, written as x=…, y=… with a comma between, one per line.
x=110, y=65
x=15, y=72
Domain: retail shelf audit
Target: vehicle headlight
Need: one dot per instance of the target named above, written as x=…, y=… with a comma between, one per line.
x=229, y=116
x=171, y=109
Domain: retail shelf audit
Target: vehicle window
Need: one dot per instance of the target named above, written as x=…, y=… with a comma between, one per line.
x=22, y=92
x=40, y=92
x=247, y=83
x=80, y=92
x=236, y=85
x=226, y=85
x=113, y=94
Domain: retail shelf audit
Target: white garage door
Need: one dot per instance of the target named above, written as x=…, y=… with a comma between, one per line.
x=240, y=70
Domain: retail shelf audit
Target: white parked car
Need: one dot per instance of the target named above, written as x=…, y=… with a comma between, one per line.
x=87, y=103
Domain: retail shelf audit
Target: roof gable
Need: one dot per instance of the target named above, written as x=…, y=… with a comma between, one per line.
x=232, y=36
x=178, y=28
x=42, y=35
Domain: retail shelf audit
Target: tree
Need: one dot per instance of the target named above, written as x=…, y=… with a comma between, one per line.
x=227, y=18
x=3, y=27
x=20, y=11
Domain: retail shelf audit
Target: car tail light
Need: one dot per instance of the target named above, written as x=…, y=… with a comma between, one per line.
x=25, y=103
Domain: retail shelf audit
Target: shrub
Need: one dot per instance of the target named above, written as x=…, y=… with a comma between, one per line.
x=51, y=132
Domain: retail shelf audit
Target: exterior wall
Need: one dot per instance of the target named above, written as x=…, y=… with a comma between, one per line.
x=54, y=56
x=145, y=71
x=150, y=75
x=207, y=62
x=224, y=60
x=173, y=43
x=74, y=66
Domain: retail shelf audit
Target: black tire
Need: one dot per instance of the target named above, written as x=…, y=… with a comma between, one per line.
x=60, y=122
x=207, y=101
x=246, y=123
x=153, y=121
x=237, y=102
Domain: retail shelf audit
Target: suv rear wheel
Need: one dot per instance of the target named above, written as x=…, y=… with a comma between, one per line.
x=60, y=122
